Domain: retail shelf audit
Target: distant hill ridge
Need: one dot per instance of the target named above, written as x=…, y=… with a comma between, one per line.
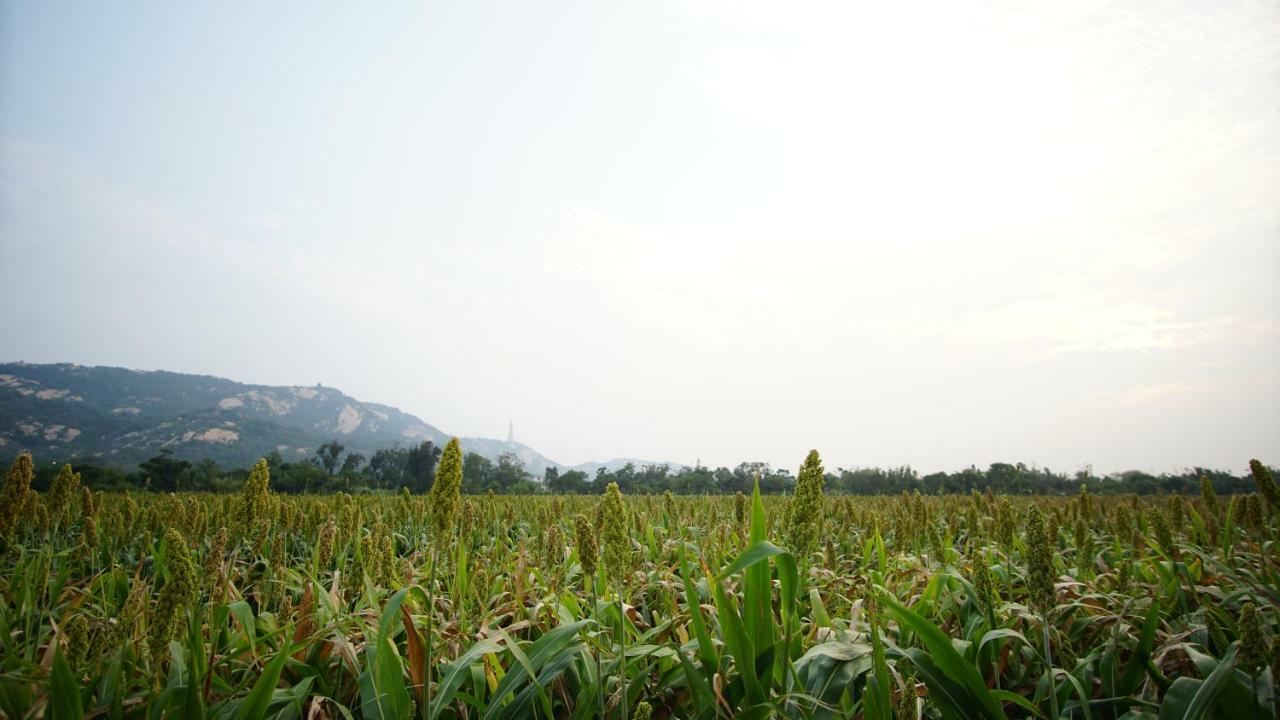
x=120, y=417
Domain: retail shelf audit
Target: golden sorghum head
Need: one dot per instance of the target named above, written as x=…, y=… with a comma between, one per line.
x=388, y=565
x=585, y=540
x=327, y=533
x=740, y=509
x=255, y=498
x=467, y=519
x=285, y=613
x=217, y=550
x=13, y=500
x=62, y=492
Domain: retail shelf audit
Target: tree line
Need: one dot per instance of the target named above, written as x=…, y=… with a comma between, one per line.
x=332, y=468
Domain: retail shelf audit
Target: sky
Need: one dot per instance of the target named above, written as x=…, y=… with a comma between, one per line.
x=932, y=234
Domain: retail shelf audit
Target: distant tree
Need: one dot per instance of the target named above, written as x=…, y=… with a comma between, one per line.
x=476, y=472
x=570, y=482
x=420, y=466
x=388, y=468
x=351, y=465
x=508, y=473
x=205, y=473
x=165, y=472
x=328, y=454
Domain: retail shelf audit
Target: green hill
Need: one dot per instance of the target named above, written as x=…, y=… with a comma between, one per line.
x=119, y=417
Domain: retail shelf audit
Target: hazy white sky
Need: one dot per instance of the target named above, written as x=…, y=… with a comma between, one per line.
x=902, y=233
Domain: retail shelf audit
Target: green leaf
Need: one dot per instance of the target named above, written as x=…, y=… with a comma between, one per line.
x=740, y=646
x=453, y=675
x=706, y=650
x=948, y=661
x=1136, y=668
x=1191, y=699
x=64, y=691
x=879, y=701
x=254, y=707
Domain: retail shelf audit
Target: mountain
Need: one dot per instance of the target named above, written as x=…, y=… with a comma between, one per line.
x=120, y=417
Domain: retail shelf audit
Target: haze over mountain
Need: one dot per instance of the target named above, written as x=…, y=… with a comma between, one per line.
x=115, y=416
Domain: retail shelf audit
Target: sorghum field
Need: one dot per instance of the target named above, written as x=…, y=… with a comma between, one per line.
x=438, y=606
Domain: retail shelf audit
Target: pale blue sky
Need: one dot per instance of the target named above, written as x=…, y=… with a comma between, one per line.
x=930, y=234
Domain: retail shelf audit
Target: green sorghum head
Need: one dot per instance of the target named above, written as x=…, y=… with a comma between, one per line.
x=1253, y=511
x=1253, y=646
x=585, y=540
x=617, y=543
x=1164, y=536
x=937, y=543
x=804, y=524
x=1177, y=510
x=972, y=523
x=1039, y=563
x=1216, y=636
x=740, y=509
x=1082, y=539
x=1210, y=497
x=1122, y=523
x=643, y=711
x=1266, y=483
x=553, y=547
x=905, y=709
x=445, y=495
x=217, y=551
x=1004, y=523
x=980, y=577
x=77, y=630
x=178, y=591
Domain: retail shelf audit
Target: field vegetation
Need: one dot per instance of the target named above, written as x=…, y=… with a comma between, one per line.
x=434, y=604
